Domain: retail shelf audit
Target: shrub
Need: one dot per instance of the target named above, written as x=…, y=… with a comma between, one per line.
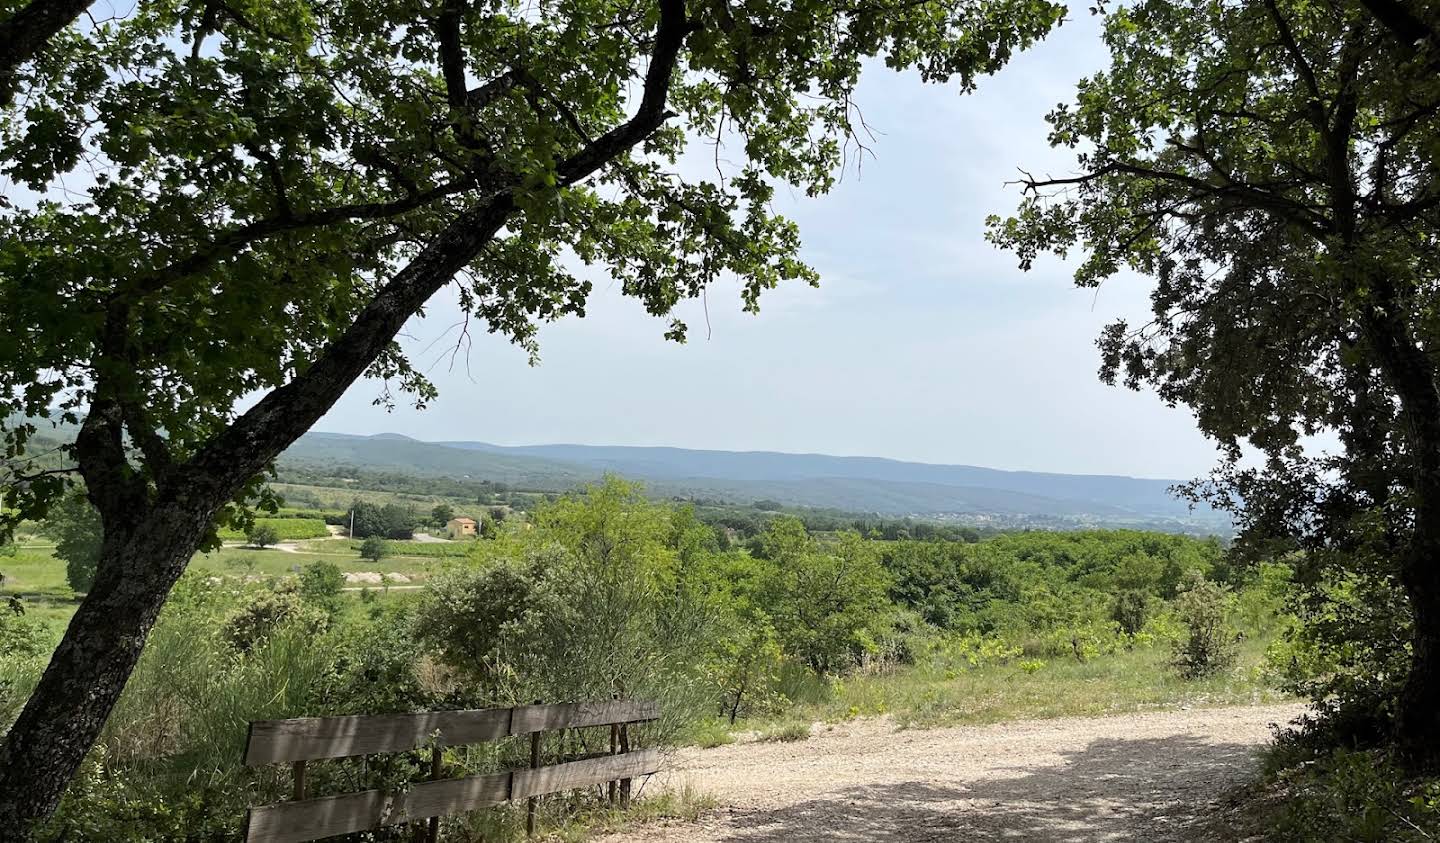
x=266, y=612
x=1351, y=795
x=262, y=535
x=374, y=549
x=574, y=610
x=25, y=645
x=1131, y=610
x=322, y=583
x=1209, y=644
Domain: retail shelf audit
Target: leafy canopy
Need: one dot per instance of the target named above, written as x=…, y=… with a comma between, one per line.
x=1270, y=165
x=222, y=189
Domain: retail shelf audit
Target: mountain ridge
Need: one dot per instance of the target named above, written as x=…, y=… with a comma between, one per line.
x=856, y=483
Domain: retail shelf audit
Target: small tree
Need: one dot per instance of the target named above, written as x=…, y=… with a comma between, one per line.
x=1209, y=645
x=374, y=549
x=321, y=584
x=75, y=526
x=441, y=515
x=1131, y=610
x=262, y=535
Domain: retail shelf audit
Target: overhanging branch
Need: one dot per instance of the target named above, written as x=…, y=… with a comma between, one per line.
x=24, y=35
x=254, y=439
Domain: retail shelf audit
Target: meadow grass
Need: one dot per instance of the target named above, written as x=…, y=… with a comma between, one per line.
x=1127, y=681
x=35, y=575
x=578, y=816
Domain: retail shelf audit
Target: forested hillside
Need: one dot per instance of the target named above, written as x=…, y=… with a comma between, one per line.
x=855, y=484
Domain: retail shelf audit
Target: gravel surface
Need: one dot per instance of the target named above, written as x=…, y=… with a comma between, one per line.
x=1154, y=776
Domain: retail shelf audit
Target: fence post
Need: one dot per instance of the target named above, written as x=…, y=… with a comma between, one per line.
x=534, y=762
x=610, y=786
x=299, y=780
x=437, y=759
x=624, y=748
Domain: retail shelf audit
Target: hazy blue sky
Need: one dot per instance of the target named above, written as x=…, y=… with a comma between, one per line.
x=923, y=342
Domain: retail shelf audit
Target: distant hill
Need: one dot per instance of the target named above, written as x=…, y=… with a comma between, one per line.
x=857, y=484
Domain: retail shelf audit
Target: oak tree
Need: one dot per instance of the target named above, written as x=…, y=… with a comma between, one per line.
x=1271, y=165
x=241, y=199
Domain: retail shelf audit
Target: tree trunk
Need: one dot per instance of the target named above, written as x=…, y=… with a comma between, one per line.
x=1408, y=369
x=66, y=713
x=1418, y=721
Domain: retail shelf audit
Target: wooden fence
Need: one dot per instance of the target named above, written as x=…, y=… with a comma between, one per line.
x=314, y=738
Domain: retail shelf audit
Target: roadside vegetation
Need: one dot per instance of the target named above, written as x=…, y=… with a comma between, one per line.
x=740, y=635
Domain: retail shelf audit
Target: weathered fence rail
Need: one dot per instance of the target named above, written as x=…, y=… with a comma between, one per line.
x=316, y=738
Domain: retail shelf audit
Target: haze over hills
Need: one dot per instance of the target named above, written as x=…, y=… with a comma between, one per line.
x=857, y=484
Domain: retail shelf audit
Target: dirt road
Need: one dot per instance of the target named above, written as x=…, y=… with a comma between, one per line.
x=1143, y=777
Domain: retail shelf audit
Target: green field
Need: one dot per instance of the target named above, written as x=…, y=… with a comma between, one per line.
x=398, y=549
x=286, y=529
x=39, y=578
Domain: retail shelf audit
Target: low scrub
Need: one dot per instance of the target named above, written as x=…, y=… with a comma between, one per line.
x=786, y=732
x=1344, y=794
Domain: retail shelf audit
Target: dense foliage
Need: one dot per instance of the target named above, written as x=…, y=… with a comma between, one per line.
x=1271, y=164
x=605, y=593
x=390, y=521
x=264, y=196
x=74, y=525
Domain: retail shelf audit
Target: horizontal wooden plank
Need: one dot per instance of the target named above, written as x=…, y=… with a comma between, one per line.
x=540, y=718
x=309, y=738
x=558, y=777
x=312, y=819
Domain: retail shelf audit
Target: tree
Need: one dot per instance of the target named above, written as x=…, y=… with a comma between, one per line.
x=827, y=601
x=374, y=549
x=262, y=535
x=75, y=526
x=1131, y=610
x=1210, y=643
x=270, y=194
x=389, y=521
x=441, y=515
x=322, y=582
x=1270, y=164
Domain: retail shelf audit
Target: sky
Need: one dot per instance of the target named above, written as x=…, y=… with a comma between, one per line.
x=923, y=342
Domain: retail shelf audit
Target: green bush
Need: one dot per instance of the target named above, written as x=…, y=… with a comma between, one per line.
x=261, y=535
x=572, y=610
x=374, y=549
x=25, y=644
x=322, y=583
x=268, y=611
x=1131, y=610
x=1351, y=795
x=1210, y=644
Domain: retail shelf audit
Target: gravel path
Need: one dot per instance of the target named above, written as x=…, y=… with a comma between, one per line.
x=1154, y=776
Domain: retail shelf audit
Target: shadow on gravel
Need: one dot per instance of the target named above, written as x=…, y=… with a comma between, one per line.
x=1144, y=790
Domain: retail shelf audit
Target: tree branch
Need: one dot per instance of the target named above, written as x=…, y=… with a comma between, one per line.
x=223, y=465
x=1402, y=23
x=1293, y=212
x=230, y=243
x=25, y=34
